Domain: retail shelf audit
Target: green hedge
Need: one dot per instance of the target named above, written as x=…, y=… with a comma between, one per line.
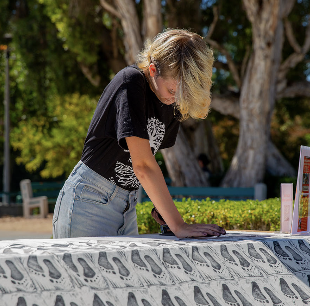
x=232, y=215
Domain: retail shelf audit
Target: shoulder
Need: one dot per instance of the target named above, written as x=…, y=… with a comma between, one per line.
x=132, y=75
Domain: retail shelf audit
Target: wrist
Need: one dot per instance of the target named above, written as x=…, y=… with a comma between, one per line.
x=176, y=226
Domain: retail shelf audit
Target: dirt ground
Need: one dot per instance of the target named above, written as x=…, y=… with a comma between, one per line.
x=33, y=225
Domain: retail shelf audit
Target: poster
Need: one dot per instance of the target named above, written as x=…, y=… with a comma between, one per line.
x=301, y=207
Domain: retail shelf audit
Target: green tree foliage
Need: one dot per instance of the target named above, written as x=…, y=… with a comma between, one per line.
x=57, y=138
x=53, y=38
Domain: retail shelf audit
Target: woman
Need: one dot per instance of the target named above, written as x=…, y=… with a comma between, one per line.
x=137, y=114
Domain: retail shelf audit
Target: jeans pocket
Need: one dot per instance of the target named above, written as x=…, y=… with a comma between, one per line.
x=89, y=194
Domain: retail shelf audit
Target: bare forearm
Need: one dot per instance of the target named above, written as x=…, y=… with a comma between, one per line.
x=155, y=186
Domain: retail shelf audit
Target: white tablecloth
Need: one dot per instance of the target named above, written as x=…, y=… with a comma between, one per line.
x=239, y=269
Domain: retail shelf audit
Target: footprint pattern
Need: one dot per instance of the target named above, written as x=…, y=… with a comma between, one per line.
x=214, y=264
x=169, y=260
x=303, y=295
x=197, y=258
x=226, y=255
x=286, y=290
x=84, y=271
x=228, y=297
x=243, y=300
x=157, y=271
x=199, y=298
x=303, y=247
x=245, y=264
x=178, y=270
x=137, y=261
x=257, y=294
x=254, y=254
x=19, y=278
x=104, y=263
x=272, y=261
x=213, y=299
x=280, y=252
x=275, y=300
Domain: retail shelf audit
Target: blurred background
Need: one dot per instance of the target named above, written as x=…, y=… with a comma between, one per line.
x=60, y=55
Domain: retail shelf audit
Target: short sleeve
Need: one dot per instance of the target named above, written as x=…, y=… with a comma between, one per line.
x=131, y=107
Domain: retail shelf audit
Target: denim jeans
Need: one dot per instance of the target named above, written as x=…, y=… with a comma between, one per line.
x=89, y=205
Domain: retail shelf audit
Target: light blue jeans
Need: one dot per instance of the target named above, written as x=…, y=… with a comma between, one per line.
x=89, y=205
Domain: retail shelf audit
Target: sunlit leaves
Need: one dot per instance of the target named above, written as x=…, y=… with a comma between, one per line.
x=55, y=140
x=232, y=215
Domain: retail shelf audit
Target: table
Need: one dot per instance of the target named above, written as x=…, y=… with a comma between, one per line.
x=239, y=269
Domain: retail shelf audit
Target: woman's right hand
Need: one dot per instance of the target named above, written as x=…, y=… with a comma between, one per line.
x=198, y=230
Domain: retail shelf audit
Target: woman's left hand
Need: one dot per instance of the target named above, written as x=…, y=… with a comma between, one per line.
x=199, y=230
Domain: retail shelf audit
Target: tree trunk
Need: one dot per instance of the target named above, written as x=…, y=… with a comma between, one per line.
x=258, y=92
x=277, y=165
x=182, y=164
x=131, y=28
x=152, y=21
x=201, y=139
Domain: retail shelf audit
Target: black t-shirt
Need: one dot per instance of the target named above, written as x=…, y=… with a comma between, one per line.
x=127, y=107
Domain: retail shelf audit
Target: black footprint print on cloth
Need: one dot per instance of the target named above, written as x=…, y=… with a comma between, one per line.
x=187, y=268
x=146, y=303
x=227, y=256
x=245, y=265
x=243, y=300
x=34, y=266
x=137, y=261
x=275, y=300
x=2, y=273
x=215, y=265
x=110, y=304
x=169, y=260
x=157, y=271
x=71, y=304
x=122, y=270
x=257, y=294
x=53, y=272
x=17, y=278
x=88, y=272
x=213, y=300
x=132, y=301
x=97, y=301
x=280, y=251
x=254, y=254
x=296, y=256
x=303, y=247
x=198, y=297
x=67, y=258
x=198, y=258
x=287, y=290
x=165, y=299
x=228, y=297
x=180, y=301
x=304, y=296
x=59, y=301
x=104, y=263
x=273, y=262
x=21, y=301
x=15, y=273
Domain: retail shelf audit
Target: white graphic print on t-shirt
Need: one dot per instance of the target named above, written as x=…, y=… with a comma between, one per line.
x=156, y=131
x=124, y=174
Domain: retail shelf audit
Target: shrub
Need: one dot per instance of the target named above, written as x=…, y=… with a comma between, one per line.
x=232, y=215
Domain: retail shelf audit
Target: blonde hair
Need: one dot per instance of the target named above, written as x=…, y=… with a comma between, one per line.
x=185, y=57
